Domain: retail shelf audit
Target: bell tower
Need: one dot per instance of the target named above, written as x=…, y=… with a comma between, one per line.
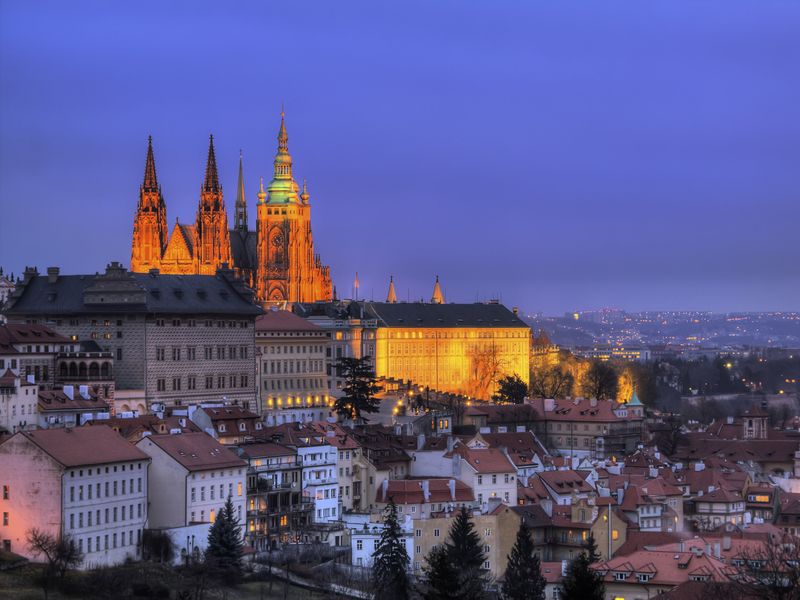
x=213, y=242
x=150, y=223
x=288, y=268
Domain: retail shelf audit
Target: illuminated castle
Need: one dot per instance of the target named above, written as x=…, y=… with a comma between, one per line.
x=277, y=259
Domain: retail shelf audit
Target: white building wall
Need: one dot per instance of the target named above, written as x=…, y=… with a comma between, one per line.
x=106, y=506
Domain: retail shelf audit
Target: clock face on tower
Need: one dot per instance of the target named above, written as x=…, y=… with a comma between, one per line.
x=277, y=241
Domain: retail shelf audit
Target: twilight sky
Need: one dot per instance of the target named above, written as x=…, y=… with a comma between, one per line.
x=560, y=155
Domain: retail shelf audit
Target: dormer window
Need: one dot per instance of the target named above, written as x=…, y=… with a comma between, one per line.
x=620, y=576
x=643, y=577
x=242, y=427
x=222, y=427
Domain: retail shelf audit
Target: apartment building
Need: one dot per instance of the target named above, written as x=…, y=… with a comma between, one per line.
x=293, y=358
x=18, y=402
x=87, y=483
x=277, y=511
x=191, y=477
x=179, y=339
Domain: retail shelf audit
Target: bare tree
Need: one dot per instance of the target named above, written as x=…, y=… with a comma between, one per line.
x=60, y=554
x=485, y=369
x=770, y=571
x=554, y=382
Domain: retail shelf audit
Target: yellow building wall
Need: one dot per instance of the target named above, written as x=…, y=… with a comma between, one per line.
x=462, y=360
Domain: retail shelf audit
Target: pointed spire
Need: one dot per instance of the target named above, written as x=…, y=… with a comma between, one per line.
x=211, y=183
x=150, y=181
x=438, y=297
x=283, y=138
x=391, y=297
x=283, y=160
x=262, y=195
x=241, y=203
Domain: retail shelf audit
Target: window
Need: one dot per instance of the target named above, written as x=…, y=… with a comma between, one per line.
x=435, y=533
x=191, y=353
x=418, y=532
x=161, y=385
x=359, y=543
x=176, y=353
x=5, y=519
x=620, y=576
x=176, y=383
x=614, y=534
x=159, y=354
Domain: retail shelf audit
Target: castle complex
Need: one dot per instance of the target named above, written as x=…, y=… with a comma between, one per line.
x=277, y=260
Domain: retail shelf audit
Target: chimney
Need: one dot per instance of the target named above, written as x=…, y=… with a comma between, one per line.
x=52, y=274
x=515, y=310
x=620, y=495
x=717, y=550
x=426, y=491
x=549, y=405
x=330, y=433
x=682, y=546
x=450, y=443
x=563, y=568
x=699, y=466
x=547, y=506
x=729, y=420
x=420, y=441
x=452, y=485
x=708, y=549
x=69, y=391
x=84, y=391
x=726, y=542
x=593, y=402
x=385, y=489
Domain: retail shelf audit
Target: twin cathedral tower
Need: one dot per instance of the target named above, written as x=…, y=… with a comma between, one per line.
x=277, y=260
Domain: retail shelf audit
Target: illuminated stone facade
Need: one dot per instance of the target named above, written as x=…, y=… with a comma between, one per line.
x=459, y=348
x=277, y=259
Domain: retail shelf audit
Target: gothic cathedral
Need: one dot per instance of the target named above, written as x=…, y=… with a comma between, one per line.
x=277, y=259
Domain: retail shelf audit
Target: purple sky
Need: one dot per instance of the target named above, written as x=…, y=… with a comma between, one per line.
x=644, y=155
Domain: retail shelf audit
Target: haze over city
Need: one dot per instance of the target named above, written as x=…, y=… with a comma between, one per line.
x=642, y=156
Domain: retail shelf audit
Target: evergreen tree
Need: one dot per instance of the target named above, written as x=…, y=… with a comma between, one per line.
x=225, y=541
x=591, y=549
x=581, y=582
x=523, y=578
x=466, y=556
x=390, y=559
x=360, y=387
x=440, y=576
x=511, y=389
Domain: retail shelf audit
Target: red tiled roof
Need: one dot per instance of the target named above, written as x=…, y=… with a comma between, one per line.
x=485, y=460
x=565, y=481
x=84, y=446
x=25, y=333
x=284, y=320
x=666, y=568
x=410, y=491
x=196, y=451
x=57, y=400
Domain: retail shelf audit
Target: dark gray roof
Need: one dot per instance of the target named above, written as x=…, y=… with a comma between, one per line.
x=118, y=291
x=417, y=314
x=243, y=248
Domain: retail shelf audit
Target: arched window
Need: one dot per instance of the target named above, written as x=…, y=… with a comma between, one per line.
x=105, y=370
x=82, y=370
x=73, y=369
x=94, y=370
x=62, y=370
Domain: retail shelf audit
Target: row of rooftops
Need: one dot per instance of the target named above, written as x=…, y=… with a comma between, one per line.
x=120, y=291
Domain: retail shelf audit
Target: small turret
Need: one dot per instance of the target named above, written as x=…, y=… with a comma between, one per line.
x=262, y=195
x=304, y=196
x=438, y=296
x=391, y=297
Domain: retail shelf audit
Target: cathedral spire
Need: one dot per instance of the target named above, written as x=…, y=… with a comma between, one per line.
x=211, y=183
x=150, y=181
x=283, y=160
x=241, y=203
x=438, y=297
x=283, y=138
x=391, y=297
